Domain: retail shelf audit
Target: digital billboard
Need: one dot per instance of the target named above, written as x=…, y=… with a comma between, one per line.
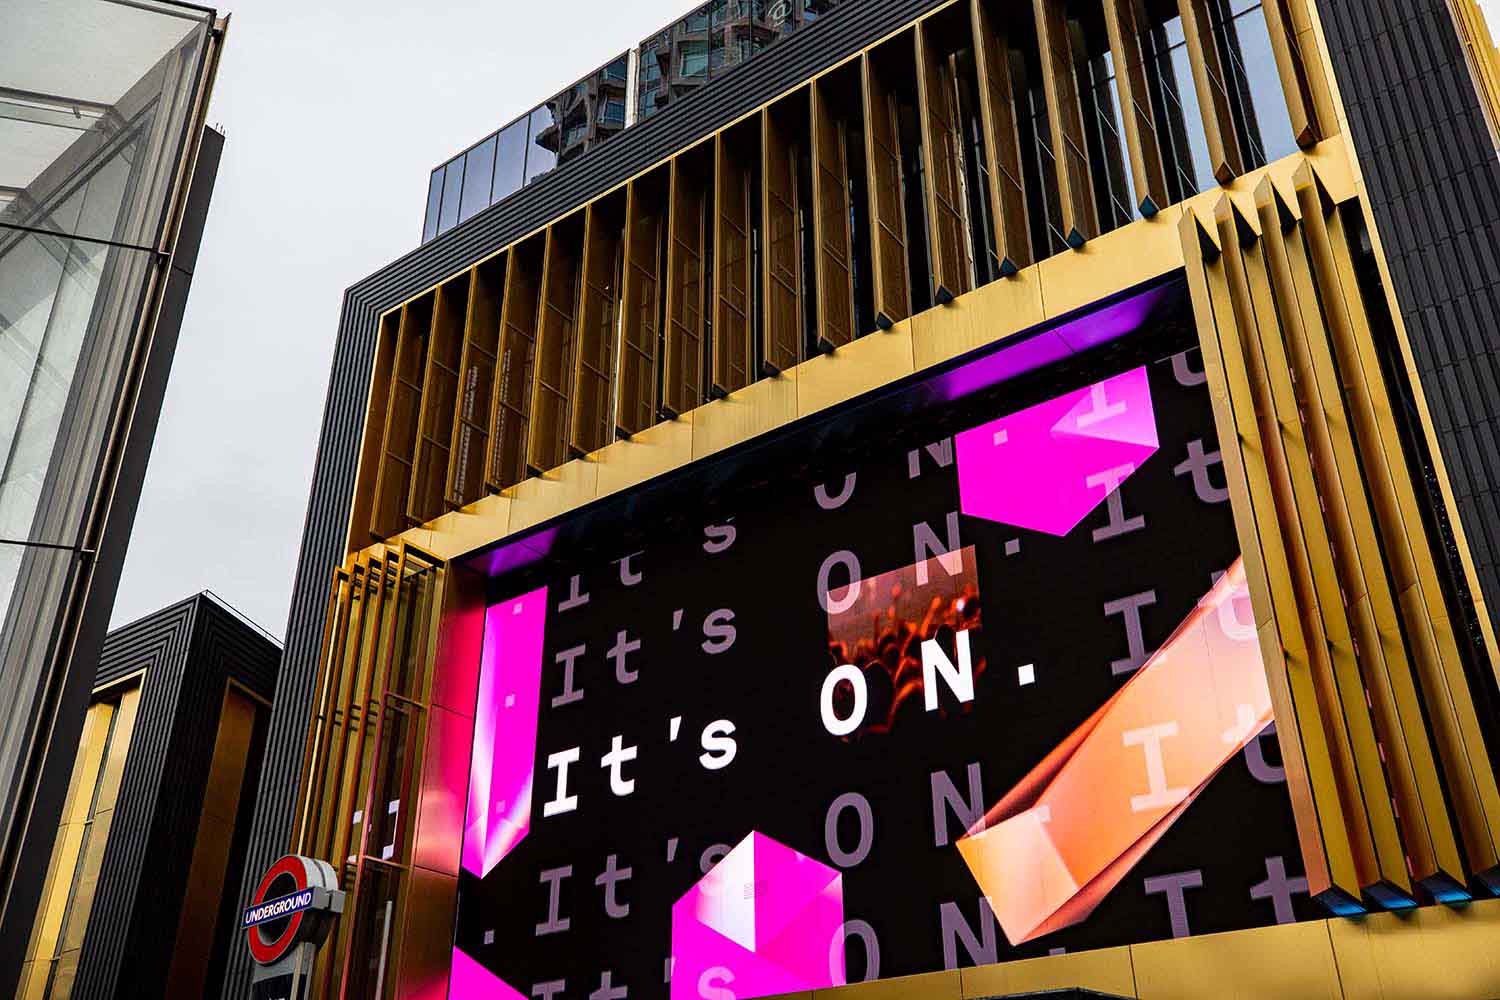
x=978, y=682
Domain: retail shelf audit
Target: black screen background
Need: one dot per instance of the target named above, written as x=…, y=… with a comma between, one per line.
x=1042, y=606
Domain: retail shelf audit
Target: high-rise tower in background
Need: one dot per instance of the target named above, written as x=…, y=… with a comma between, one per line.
x=106, y=170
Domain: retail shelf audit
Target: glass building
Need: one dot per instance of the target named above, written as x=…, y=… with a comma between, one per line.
x=983, y=499
x=105, y=174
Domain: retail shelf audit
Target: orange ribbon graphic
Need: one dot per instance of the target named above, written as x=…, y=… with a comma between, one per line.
x=1050, y=851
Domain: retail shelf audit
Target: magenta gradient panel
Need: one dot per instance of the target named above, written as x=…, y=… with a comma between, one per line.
x=765, y=920
x=502, y=767
x=1049, y=466
x=471, y=981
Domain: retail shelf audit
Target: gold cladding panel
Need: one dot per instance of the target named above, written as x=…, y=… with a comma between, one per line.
x=745, y=413
x=1107, y=970
x=1426, y=954
x=985, y=315
x=541, y=498
x=1291, y=961
x=931, y=986
x=866, y=364
x=1120, y=259
x=656, y=450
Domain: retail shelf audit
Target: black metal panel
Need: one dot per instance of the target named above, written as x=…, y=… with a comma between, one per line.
x=1433, y=181
x=189, y=652
x=847, y=30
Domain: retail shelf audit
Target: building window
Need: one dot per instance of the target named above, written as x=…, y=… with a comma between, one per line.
x=1174, y=106
x=510, y=160
x=1256, y=98
x=539, y=158
x=694, y=59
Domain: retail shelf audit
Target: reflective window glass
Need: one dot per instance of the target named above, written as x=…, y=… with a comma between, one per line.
x=478, y=170
x=434, y=203
x=510, y=160
x=694, y=59
x=452, y=187
x=541, y=154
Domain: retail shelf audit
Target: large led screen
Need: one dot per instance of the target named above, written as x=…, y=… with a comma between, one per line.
x=977, y=684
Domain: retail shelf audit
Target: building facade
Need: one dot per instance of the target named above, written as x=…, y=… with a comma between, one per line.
x=983, y=498
x=106, y=171
x=167, y=768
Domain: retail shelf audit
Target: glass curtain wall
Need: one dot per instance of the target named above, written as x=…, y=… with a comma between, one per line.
x=684, y=56
x=95, y=101
x=584, y=115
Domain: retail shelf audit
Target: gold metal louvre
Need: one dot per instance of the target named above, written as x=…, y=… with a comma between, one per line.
x=947, y=156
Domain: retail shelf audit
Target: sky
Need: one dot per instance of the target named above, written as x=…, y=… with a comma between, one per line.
x=335, y=113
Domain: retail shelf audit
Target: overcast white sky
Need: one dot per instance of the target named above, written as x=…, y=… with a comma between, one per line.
x=335, y=111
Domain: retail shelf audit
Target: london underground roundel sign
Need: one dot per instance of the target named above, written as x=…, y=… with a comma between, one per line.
x=294, y=904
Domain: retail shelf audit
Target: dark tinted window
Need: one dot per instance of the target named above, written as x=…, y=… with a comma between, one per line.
x=540, y=158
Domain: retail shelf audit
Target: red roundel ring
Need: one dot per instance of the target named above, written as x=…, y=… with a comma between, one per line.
x=261, y=950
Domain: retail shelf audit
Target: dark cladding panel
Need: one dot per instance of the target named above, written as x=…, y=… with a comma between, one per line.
x=1434, y=188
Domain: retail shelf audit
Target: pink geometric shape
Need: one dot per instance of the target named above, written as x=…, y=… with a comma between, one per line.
x=1049, y=466
x=1059, y=842
x=469, y=980
x=505, y=721
x=765, y=920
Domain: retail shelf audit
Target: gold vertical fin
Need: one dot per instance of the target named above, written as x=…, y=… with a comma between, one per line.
x=1451, y=710
x=1292, y=68
x=635, y=387
x=1213, y=95
x=832, y=237
x=1313, y=557
x=732, y=263
x=557, y=334
x=1428, y=835
x=397, y=458
x=590, y=427
x=476, y=384
x=781, y=267
x=512, y=395
x=887, y=201
x=685, y=280
x=425, y=498
x=1080, y=218
x=1123, y=25
x=1333, y=853
x=1002, y=145
x=941, y=155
